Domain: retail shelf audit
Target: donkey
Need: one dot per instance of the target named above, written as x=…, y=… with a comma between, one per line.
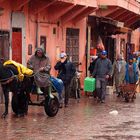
x=19, y=89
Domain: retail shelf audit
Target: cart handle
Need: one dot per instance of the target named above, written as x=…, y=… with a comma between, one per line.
x=137, y=82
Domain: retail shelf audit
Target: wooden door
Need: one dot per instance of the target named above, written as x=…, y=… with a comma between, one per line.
x=4, y=45
x=72, y=44
x=43, y=42
x=110, y=47
x=17, y=45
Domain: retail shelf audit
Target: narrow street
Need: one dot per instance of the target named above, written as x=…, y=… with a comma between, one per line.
x=87, y=120
x=43, y=41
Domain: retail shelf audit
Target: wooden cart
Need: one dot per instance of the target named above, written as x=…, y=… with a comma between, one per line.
x=128, y=91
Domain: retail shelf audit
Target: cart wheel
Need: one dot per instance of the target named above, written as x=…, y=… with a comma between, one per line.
x=133, y=97
x=51, y=106
x=126, y=97
x=20, y=104
x=121, y=94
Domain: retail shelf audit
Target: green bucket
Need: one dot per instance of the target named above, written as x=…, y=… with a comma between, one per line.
x=89, y=84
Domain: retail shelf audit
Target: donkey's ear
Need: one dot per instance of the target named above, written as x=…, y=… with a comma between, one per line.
x=1, y=64
x=2, y=60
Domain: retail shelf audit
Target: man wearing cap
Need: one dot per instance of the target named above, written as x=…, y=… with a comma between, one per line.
x=102, y=71
x=66, y=71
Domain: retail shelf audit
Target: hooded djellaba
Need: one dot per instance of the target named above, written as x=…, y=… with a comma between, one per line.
x=40, y=64
x=39, y=61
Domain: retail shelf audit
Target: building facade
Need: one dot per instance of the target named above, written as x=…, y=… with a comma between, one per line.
x=65, y=25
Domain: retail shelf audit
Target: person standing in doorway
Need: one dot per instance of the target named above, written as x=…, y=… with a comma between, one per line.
x=118, y=72
x=102, y=71
x=66, y=71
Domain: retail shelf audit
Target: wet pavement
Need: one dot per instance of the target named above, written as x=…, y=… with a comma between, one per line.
x=87, y=120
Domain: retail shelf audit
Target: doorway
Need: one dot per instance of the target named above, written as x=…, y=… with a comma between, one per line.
x=43, y=42
x=17, y=45
x=110, y=47
x=4, y=45
x=72, y=44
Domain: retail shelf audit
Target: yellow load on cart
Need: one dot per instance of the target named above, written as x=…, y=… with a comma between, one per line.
x=22, y=70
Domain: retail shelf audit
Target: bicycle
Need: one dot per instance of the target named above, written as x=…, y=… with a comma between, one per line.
x=75, y=85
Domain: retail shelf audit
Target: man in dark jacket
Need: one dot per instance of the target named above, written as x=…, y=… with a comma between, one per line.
x=66, y=71
x=102, y=71
x=92, y=64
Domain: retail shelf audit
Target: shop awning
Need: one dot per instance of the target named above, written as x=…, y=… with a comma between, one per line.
x=126, y=11
x=122, y=30
x=107, y=26
x=135, y=25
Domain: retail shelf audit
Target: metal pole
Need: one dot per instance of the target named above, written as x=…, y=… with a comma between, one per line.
x=88, y=49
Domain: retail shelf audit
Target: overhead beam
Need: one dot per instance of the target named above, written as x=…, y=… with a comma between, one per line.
x=135, y=25
x=72, y=13
x=114, y=13
x=39, y=6
x=18, y=4
x=106, y=12
x=125, y=16
x=83, y=14
x=53, y=11
x=131, y=23
x=119, y=14
x=45, y=6
x=132, y=20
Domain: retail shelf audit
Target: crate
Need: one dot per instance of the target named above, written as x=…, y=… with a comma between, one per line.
x=89, y=84
x=109, y=90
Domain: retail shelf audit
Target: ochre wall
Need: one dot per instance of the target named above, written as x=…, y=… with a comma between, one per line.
x=5, y=18
x=136, y=39
x=54, y=41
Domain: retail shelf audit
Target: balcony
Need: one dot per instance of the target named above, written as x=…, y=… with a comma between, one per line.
x=90, y=3
x=64, y=10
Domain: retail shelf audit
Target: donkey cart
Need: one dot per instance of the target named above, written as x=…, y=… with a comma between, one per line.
x=47, y=97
